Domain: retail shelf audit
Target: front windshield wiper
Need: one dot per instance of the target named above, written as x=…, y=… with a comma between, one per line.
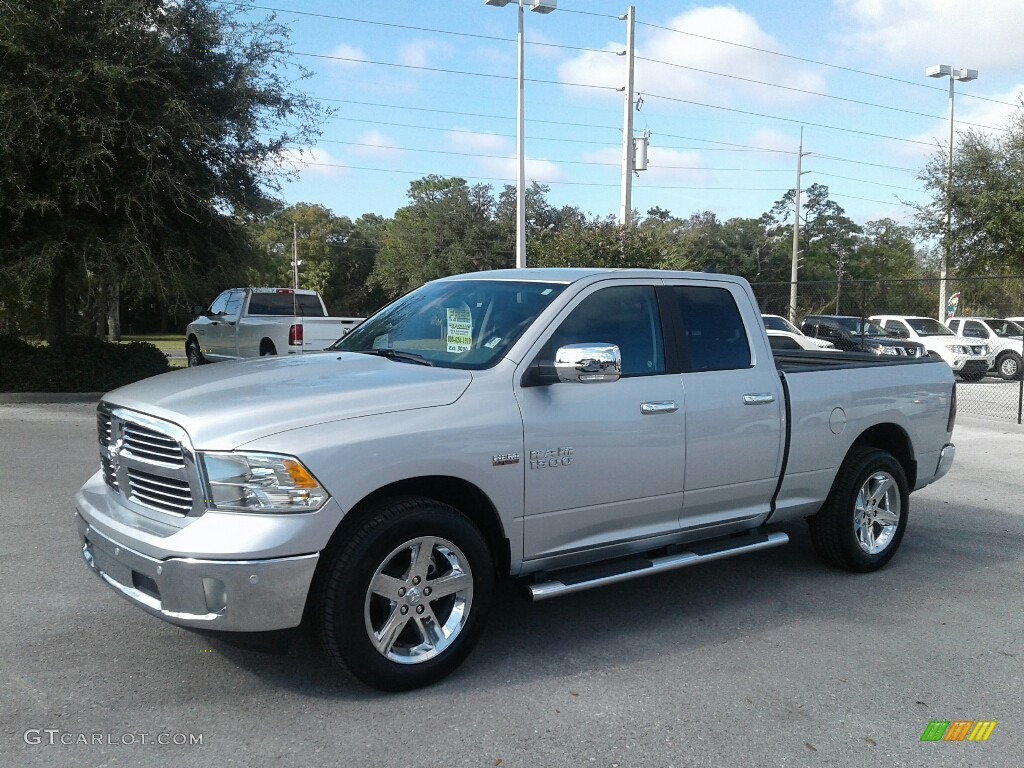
x=396, y=354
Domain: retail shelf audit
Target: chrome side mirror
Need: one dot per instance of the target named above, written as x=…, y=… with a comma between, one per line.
x=588, y=363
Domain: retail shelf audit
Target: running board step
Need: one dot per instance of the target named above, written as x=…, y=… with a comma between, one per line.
x=579, y=579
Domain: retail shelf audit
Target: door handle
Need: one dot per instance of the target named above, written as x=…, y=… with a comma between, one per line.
x=658, y=406
x=759, y=399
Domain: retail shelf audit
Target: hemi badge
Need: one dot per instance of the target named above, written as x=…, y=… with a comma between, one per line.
x=505, y=458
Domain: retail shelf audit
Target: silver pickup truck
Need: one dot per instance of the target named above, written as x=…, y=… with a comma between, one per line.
x=566, y=428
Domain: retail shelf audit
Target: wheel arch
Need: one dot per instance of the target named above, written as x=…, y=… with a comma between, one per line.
x=453, y=491
x=266, y=345
x=894, y=439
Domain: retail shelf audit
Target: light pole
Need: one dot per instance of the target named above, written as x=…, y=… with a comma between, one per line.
x=965, y=75
x=540, y=6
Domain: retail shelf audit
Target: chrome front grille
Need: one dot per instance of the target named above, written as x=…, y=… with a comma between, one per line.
x=158, y=492
x=148, y=462
x=103, y=427
x=151, y=445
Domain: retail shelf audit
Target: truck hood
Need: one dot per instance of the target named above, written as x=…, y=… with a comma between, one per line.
x=224, y=405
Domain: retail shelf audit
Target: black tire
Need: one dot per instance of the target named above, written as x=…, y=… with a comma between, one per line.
x=840, y=531
x=973, y=376
x=351, y=617
x=267, y=348
x=1008, y=366
x=194, y=354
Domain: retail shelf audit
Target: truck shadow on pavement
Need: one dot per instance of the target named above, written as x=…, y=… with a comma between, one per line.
x=670, y=618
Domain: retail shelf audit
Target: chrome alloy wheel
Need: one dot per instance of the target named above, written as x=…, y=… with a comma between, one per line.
x=419, y=600
x=878, y=512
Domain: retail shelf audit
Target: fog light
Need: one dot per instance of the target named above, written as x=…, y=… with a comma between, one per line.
x=216, y=595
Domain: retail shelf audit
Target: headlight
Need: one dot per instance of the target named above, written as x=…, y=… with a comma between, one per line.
x=886, y=351
x=957, y=349
x=260, y=482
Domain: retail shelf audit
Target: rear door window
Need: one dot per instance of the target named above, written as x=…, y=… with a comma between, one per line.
x=713, y=335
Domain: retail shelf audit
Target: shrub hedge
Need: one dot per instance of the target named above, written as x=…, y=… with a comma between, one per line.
x=75, y=364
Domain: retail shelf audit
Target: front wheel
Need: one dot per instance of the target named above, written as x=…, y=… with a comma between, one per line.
x=861, y=524
x=194, y=355
x=1008, y=366
x=403, y=600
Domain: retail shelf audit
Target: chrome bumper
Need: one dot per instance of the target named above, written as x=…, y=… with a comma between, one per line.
x=946, y=456
x=233, y=596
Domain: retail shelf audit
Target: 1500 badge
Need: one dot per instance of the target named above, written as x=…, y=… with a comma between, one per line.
x=551, y=457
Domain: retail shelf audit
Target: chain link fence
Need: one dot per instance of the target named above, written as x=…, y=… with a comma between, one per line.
x=984, y=297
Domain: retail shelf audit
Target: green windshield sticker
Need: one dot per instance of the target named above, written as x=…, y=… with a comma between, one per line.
x=460, y=330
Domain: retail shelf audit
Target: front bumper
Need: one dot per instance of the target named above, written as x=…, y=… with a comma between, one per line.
x=225, y=595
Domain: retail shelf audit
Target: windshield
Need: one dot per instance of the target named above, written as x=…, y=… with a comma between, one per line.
x=926, y=326
x=1004, y=329
x=776, y=323
x=465, y=324
x=859, y=327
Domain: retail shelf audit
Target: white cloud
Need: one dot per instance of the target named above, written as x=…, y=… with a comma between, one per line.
x=423, y=53
x=769, y=138
x=503, y=164
x=475, y=141
x=313, y=162
x=664, y=166
x=536, y=169
x=697, y=53
x=347, y=56
x=983, y=114
x=377, y=145
x=919, y=33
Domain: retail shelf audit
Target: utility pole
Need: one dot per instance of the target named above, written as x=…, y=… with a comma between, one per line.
x=295, y=268
x=626, y=203
x=795, y=265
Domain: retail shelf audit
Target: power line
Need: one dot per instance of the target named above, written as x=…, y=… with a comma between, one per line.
x=465, y=130
x=786, y=119
x=467, y=114
x=812, y=93
x=450, y=71
x=545, y=159
x=413, y=28
x=813, y=61
x=865, y=181
x=538, y=181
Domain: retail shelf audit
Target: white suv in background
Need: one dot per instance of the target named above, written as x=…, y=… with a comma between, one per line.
x=969, y=358
x=1004, y=337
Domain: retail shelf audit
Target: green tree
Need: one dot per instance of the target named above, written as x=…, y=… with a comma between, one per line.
x=136, y=136
x=447, y=228
x=986, y=201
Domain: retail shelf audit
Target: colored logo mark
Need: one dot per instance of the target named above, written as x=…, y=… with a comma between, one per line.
x=958, y=730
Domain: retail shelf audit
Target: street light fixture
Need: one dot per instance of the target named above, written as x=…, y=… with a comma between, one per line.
x=964, y=75
x=539, y=6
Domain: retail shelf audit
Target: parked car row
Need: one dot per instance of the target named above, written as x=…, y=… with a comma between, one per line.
x=971, y=346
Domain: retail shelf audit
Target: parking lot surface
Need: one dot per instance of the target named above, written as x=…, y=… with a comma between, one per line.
x=768, y=659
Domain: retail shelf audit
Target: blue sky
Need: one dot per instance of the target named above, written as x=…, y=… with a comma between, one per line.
x=719, y=141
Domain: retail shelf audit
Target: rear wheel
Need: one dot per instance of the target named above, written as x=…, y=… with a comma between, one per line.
x=1008, y=366
x=403, y=600
x=862, y=522
x=267, y=348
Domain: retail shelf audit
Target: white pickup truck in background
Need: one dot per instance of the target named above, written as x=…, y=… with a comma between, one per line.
x=253, y=322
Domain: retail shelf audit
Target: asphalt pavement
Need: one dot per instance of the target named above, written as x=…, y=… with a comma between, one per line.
x=767, y=659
